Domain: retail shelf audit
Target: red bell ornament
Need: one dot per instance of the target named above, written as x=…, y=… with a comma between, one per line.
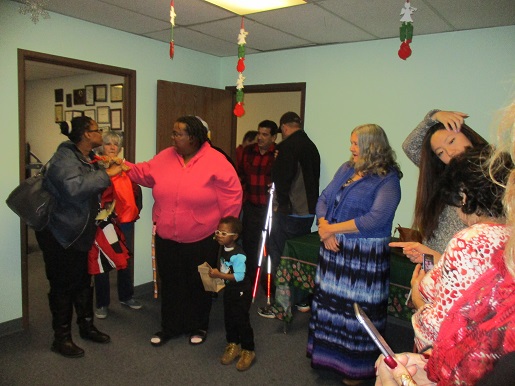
x=239, y=110
x=405, y=50
x=240, y=67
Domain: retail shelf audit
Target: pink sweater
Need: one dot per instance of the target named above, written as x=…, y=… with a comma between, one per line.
x=190, y=199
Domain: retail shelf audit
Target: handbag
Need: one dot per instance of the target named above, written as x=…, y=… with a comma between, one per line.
x=408, y=234
x=31, y=202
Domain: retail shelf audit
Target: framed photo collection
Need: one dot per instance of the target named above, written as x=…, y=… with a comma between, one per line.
x=90, y=101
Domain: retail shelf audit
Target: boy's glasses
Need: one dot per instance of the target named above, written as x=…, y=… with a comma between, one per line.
x=224, y=233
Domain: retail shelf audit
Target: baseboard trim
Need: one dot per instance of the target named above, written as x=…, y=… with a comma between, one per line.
x=11, y=327
x=144, y=289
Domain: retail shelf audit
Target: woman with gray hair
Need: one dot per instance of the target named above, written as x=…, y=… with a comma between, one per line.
x=111, y=146
x=355, y=214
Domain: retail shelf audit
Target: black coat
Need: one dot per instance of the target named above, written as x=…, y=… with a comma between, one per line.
x=296, y=174
x=76, y=185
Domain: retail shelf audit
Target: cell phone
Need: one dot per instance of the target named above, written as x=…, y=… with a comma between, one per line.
x=375, y=335
x=428, y=262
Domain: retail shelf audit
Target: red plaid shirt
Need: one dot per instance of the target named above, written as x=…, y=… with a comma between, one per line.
x=255, y=173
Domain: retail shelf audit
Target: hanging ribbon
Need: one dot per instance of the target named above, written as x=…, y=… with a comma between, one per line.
x=406, y=30
x=240, y=67
x=172, y=24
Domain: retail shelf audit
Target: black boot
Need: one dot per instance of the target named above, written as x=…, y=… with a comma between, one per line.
x=61, y=308
x=84, y=307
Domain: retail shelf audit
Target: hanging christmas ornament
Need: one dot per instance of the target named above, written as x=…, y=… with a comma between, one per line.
x=406, y=30
x=35, y=8
x=240, y=67
x=172, y=24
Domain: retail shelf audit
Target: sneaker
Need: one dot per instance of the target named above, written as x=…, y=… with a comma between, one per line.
x=303, y=307
x=246, y=359
x=232, y=351
x=131, y=303
x=101, y=312
x=266, y=312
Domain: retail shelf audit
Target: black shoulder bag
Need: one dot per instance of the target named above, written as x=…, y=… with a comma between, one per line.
x=31, y=202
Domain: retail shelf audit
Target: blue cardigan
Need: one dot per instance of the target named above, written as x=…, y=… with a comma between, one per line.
x=370, y=201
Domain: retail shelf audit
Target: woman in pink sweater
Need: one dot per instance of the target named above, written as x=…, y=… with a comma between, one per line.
x=193, y=186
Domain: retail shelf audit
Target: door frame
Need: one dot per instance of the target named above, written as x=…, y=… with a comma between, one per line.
x=129, y=118
x=265, y=88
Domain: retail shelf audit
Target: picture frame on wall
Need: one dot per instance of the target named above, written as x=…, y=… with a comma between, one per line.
x=79, y=96
x=101, y=93
x=59, y=95
x=92, y=113
x=68, y=115
x=77, y=113
x=117, y=92
x=69, y=100
x=90, y=95
x=116, y=119
x=103, y=115
x=58, y=111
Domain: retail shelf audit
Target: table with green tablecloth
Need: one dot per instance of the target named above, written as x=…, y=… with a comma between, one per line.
x=295, y=277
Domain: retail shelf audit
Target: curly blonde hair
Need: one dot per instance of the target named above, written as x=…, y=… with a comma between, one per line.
x=506, y=141
x=375, y=153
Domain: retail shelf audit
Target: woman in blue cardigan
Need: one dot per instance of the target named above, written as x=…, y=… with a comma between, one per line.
x=355, y=214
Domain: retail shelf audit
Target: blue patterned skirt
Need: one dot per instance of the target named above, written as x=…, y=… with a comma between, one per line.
x=358, y=273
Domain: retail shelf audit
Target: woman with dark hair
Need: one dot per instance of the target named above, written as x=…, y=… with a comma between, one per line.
x=355, y=213
x=193, y=186
x=431, y=145
x=465, y=184
x=475, y=344
x=76, y=183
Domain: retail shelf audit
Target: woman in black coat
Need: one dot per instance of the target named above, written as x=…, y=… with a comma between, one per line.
x=76, y=183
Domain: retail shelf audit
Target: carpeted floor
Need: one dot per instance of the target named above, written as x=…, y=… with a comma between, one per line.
x=26, y=359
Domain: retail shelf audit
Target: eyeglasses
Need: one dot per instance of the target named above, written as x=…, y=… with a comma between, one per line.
x=177, y=134
x=224, y=233
x=96, y=131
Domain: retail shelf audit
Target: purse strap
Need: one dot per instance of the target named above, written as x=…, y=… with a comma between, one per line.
x=42, y=170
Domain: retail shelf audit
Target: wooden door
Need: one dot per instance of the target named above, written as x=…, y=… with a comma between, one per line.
x=213, y=105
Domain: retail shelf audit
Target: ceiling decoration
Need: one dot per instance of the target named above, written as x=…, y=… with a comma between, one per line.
x=207, y=28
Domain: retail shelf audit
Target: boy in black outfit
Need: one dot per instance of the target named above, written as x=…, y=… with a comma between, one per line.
x=237, y=295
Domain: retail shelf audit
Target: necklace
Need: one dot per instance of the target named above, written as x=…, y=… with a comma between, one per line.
x=352, y=179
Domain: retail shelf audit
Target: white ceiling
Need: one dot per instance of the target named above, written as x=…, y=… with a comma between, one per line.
x=204, y=27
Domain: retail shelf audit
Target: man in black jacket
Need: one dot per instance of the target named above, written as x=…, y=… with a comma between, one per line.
x=296, y=175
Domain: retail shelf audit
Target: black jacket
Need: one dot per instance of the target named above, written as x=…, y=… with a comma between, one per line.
x=76, y=185
x=296, y=174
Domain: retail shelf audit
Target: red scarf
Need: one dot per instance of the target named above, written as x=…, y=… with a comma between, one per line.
x=479, y=329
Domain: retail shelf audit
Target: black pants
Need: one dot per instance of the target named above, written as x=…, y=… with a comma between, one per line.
x=185, y=305
x=236, y=317
x=66, y=269
x=253, y=224
x=70, y=285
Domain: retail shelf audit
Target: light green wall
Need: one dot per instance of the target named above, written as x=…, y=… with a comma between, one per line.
x=346, y=85
x=352, y=84
x=64, y=36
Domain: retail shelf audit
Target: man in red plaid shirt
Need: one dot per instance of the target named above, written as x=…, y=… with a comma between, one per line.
x=255, y=169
